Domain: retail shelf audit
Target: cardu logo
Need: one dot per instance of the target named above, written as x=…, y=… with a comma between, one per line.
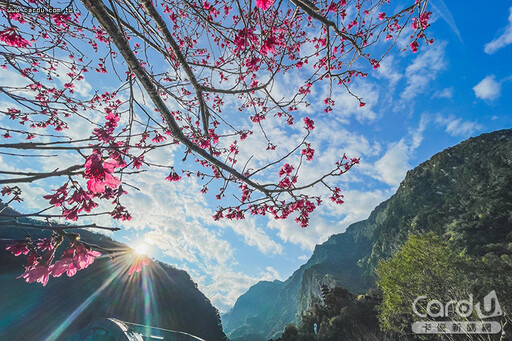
x=435, y=309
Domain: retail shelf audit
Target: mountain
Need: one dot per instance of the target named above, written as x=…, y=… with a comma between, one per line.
x=160, y=295
x=463, y=193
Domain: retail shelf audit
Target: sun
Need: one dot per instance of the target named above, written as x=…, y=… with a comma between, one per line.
x=141, y=248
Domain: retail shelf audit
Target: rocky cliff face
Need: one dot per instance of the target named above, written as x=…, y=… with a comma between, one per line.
x=463, y=193
x=160, y=296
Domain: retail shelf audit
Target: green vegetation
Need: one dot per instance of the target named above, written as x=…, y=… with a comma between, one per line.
x=340, y=316
x=427, y=265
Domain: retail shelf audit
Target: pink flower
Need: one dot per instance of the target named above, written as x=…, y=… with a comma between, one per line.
x=137, y=265
x=264, y=4
x=99, y=173
x=269, y=45
x=309, y=123
x=45, y=244
x=173, y=176
x=287, y=182
x=137, y=162
x=38, y=273
x=337, y=196
x=286, y=169
x=11, y=37
x=414, y=46
x=61, y=19
x=63, y=265
x=257, y=118
x=252, y=63
x=76, y=258
x=414, y=23
x=120, y=212
x=18, y=249
x=18, y=17
x=308, y=152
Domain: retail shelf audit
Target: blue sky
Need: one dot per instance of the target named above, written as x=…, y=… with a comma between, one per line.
x=417, y=105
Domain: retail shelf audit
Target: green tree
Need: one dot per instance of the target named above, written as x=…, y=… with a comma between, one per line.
x=425, y=265
x=290, y=333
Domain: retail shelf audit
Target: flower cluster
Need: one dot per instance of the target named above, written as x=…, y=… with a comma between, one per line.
x=309, y=124
x=11, y=37
x=337, y=196
x=40, y=268
x=173, y=176
x=80, y=200
x=74, y=259
x=99, y=173
x=264, y=4
x=242, y=58
x=308, y=152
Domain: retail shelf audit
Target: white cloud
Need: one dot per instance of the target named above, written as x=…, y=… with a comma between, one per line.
x=503, y=40
x=357, y=206
x=387, y=71
x=456, y=126
x=254, y=236
x=423, y=70
x=228, y=284
x=445, y=93
x=488, y=88
x=394, y=164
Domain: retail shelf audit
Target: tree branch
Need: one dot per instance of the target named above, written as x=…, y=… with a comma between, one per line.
x=97, y=9
x=68, y=171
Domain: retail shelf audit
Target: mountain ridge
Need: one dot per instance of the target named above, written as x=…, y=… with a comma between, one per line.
x=461, y=193
x=160, y=295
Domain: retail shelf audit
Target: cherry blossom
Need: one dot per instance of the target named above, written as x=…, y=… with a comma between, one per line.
x=38, y=271
x=264, y=4
x=137, y=265
x=309, y=123
x=99, y=173
x=74, y=259
x=11, y=37
x=18, y=249
x=308, y=152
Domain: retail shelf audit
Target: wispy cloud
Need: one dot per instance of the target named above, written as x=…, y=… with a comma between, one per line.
x=488, y=88
x=445, y=93
x=423, y=70
x=457, y=126
x=503, y=40
x=394, y=164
